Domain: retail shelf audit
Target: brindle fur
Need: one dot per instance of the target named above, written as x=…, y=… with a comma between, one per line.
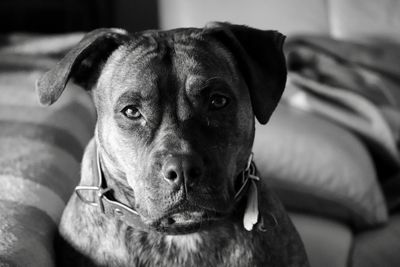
x=170, y=76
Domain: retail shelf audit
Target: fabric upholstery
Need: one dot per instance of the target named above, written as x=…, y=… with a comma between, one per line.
x=319, y=168
x=327, y=242
x=378, y=247
x=40, y=151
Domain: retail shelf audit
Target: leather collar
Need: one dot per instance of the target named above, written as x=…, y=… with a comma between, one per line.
x=116, y=209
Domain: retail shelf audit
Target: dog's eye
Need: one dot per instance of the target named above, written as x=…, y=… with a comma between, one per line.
x=131, y=112
x=218, y=101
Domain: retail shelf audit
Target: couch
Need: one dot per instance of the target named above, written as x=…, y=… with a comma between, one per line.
x=40, y=148
x=331, y=155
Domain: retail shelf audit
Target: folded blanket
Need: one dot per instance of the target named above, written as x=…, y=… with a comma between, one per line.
x=355, y=85
x=372, y=71
x=351, y=111
x=40, y=149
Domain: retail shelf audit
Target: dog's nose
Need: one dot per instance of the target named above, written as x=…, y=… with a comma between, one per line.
x=178, y=168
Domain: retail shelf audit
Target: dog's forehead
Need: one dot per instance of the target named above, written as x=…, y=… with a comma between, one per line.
x=185, y=57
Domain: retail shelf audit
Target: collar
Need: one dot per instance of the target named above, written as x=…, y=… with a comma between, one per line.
x=111, y=208
x=116, y=209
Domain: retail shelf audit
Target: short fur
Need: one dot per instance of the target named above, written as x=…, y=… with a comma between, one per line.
x=172, y=77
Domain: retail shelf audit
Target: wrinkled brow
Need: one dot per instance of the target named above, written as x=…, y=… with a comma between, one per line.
x=134, y=97
x=200, y=84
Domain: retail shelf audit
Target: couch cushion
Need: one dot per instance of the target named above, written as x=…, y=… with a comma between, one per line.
x=337, y=240
x=319, y=168
x=378, y=247
x=26, y=235
x=40, y=153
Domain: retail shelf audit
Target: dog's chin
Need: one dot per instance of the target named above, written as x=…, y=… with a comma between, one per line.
x=187, y=222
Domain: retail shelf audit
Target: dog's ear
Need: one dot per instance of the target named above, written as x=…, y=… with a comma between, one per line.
x=261, y=61
x=83, y=63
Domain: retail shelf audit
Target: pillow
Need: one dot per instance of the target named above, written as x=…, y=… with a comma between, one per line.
x=40, y=154
x=319, y=168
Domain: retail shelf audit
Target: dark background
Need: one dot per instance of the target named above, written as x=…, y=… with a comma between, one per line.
x=57, y=16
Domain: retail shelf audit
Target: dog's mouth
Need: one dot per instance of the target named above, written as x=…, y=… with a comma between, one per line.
x=186, y=221
x=195, y=213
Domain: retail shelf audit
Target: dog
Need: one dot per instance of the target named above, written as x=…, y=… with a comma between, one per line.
x=168, y=178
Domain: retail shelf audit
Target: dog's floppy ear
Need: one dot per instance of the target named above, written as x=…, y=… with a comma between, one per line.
x=261, y=60
x=82, y=63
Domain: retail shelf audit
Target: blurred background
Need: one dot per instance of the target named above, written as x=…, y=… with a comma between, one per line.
x=49, y=16
x=340, y=18
x=331, y=149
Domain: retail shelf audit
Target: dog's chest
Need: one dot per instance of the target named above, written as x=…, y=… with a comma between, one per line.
x=197, y=249
x=112, y=244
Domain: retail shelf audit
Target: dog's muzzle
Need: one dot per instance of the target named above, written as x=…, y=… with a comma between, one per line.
x=114, y=209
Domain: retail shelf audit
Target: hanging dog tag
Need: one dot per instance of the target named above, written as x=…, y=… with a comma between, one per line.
x=251, y=213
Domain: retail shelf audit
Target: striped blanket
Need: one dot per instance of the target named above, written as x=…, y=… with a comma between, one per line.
x=40, y=148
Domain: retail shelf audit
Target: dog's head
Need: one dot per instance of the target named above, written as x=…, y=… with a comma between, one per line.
x=176, y=112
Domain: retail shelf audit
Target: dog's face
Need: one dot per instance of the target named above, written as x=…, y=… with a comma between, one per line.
x=176, y=113
x=177, y=120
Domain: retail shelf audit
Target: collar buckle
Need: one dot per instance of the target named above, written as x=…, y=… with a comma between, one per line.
x=100, y=192
x=249, y=173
